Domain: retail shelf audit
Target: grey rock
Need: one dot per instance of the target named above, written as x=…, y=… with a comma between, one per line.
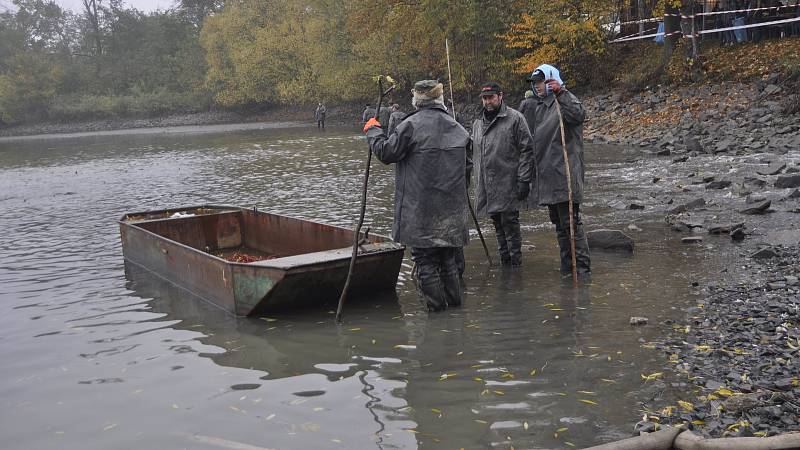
x=638, y=321
x=764, y=253
x=721, y=184
x=696, y=203
x=692, y=144
x=795, y=194
x=754, y=181
x=773, y=169
x=680, y=159
x=771, y=89
x=718, y=228
x=791, y=281
x=741, y=403
x=737, y=235
x=617, y=204
x=776, y=286
x=758, y=208
x=788, y=181
x=614, y=240
x=722, y=146
x=754, y=198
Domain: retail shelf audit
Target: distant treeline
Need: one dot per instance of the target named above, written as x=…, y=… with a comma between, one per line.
x=111, y=59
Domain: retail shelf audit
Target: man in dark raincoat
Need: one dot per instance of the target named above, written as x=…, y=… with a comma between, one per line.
x=503, y=159
x=551, y=179
x=429, y=149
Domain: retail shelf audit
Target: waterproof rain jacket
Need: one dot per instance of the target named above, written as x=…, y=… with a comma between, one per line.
x=429, y=149
x=550, y=182
x=503, y=157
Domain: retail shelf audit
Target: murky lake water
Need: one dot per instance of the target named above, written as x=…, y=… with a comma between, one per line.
x=97, y=355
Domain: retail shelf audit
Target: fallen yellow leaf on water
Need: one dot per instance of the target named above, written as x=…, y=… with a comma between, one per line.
x=588, y=402
x=688, y=407
x=499, y=392
x=569, y=443
x=481, y=421
x=652, y=376
x=533, y=372
x=561, y=430
x=445, y=376
x=525, y=425
x=355, y=329
x=607, y=380
x=587, y=392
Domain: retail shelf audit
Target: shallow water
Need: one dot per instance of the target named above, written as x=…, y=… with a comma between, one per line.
x=97, y=355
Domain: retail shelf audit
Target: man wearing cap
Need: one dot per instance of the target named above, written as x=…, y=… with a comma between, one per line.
x=429, y=149
x=503, y=161
x=550, y=179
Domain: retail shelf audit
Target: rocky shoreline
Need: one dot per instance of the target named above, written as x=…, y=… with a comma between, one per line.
x=733, y=155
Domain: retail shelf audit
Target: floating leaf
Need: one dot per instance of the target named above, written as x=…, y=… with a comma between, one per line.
x=561, y=430
x=652, y=376
x=588, y=402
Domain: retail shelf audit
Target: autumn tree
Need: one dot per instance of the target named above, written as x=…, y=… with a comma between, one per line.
x=567, y=34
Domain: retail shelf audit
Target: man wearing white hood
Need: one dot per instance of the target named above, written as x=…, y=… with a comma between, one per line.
x=550, y=183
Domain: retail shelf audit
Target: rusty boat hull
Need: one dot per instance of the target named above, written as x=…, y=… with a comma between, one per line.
x=307, y=265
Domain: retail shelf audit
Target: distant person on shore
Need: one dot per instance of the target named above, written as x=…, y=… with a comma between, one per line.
x=428, y=149
x=395, y=118
x=550, y=179
x=319, y=115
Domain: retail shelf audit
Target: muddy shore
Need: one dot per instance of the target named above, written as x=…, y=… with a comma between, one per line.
x=730, y=169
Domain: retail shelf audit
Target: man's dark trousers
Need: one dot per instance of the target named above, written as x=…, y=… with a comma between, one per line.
x=559, y=216
x=437, y=276
x=509, y=239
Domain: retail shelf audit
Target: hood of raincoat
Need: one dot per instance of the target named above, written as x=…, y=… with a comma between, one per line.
x=550, y=73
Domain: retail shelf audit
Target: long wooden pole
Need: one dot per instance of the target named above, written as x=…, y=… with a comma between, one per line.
x=466, y=187
x=357, y=229
x=569, y=196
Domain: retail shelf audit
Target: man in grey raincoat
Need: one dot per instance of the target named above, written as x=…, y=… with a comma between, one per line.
x=503, y=159
x=551, y=179
x=429, y=151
